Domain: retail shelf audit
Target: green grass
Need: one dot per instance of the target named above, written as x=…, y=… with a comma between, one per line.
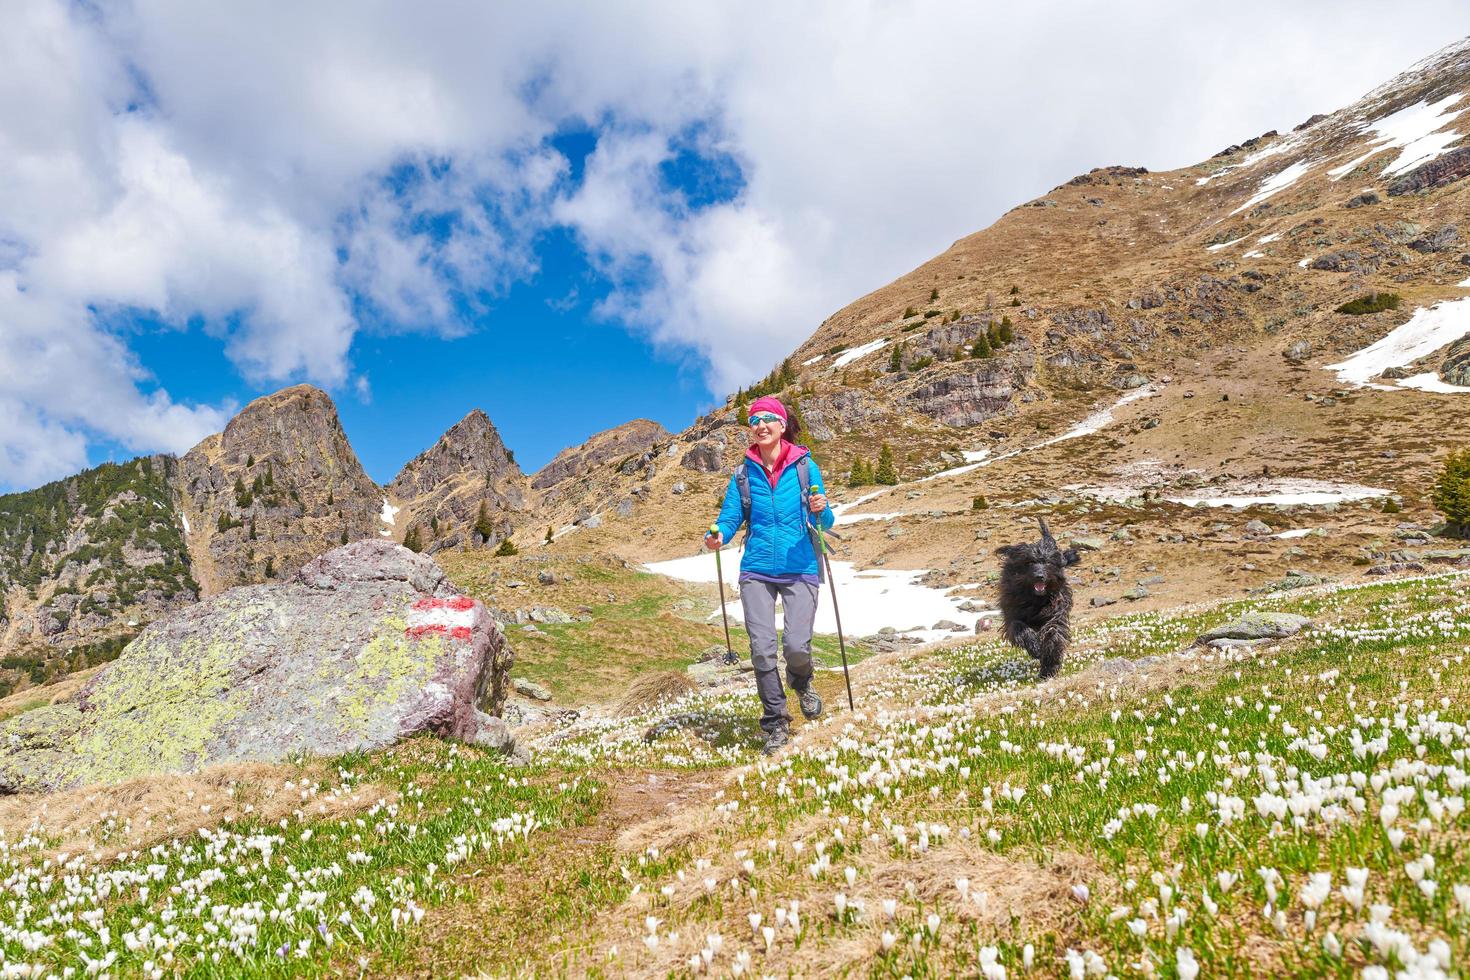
x=1340, y=752
x=1371, y=303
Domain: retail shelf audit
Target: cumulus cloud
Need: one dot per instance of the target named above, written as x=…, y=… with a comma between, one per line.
x=292, y=174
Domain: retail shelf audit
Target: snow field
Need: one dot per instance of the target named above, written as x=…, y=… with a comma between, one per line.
x=1425, y=332
x=848, y=356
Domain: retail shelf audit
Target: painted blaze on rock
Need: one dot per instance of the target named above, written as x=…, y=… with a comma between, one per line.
x=370, y=643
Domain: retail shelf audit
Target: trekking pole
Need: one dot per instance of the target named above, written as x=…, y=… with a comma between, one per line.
x=730, y=657
x=836, y=613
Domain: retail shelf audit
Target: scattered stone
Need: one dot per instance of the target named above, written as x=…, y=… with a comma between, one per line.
x=710, y=673
x=594, y=521
x=1298, y=351
x=1152, y=422
x=1136, y=593
x=1258, y=626
x=546, y=577
x=549, y=615
x=1234, y=643
x=1152, y=580
x=947, y=624
x=1087, y=544
x=1367, y=197
x=1098, y=600
x=678, y=488
x=1257, y=528
x=530, y=689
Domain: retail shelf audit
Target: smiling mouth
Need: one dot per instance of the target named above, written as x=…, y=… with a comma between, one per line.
x=1038, y=587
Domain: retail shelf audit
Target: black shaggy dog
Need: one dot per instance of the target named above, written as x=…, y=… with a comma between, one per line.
x=1035, y=599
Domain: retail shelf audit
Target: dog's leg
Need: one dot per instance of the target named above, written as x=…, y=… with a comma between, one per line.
x=1025, y=637
x=1054, y=639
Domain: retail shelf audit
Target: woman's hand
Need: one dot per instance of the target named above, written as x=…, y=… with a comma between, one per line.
x=817, y=503
x=713, y=540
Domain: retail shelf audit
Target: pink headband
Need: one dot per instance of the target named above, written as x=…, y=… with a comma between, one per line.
x=768, y=404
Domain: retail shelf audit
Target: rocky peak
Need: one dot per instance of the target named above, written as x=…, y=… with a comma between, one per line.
x=278, y=487
x=470, y=446
x=629, y=438
x=465, y=487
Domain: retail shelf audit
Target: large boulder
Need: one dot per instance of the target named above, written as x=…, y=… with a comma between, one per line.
x=1258, y=626
x=368, y=644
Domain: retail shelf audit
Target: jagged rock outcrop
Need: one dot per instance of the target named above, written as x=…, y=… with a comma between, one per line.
x=279, y=486
x=368, y=644
x=1436, y=173
x=1455, y=369
x=629, y=439
x=982, y=389
x=444, y=487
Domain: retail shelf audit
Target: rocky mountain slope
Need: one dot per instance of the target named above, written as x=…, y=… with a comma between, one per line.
x=84, y=561
x=467, y=478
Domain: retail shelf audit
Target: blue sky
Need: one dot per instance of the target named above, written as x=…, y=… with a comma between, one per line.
x=569, y=215
x=538, y=359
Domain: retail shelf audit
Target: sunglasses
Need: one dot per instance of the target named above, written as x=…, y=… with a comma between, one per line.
x=760, y=417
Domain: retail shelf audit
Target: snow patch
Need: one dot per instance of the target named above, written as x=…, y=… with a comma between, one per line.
x=1299, y=532
x=386, y=516
x=1253, y=255
x=1426, y=332
x=1415, y=131
x=871, y=598
x=1277, y=183
x=1235, y=241
x=185, y=518
x=1285, y=493
x=1267, y=239
x=812, y=360
x=848, y=356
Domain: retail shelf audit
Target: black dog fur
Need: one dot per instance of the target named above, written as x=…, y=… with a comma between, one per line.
x=1036, y=600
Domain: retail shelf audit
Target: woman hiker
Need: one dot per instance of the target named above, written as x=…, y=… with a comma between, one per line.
x=779, y=560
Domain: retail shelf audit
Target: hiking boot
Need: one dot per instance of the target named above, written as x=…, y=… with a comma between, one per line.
x=811, y=705
x=776, y=738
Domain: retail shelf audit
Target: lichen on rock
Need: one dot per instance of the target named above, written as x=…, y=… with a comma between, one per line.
x=369, y=644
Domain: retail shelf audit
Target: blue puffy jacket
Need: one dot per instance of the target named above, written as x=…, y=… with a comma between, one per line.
x=780, y=543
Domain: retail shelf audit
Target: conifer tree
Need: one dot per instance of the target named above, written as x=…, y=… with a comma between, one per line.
x=1452, y=492
x=934, y=294
x=549, y=535
x=344, y=535
x=895, y=360
x=483, y=527
x=885, y=474
x=1007, y=331
x=506, y=549
x=270, y=566
x=981, y=347
x=992, y=335
x=414, y=539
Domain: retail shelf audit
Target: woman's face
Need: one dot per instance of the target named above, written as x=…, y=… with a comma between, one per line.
x=766, y=432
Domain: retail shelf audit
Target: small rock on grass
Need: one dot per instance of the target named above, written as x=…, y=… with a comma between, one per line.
x=530, y=689
x=1258, y=626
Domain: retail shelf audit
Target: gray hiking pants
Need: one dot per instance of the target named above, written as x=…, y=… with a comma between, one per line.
x=799, y=604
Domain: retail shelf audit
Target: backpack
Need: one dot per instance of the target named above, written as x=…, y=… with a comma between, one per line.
x=803, y=477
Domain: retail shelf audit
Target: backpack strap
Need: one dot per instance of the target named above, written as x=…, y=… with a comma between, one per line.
x=804, y=477
x=742, y=484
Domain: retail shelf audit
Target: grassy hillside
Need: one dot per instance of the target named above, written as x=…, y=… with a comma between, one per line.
x=1291, y=809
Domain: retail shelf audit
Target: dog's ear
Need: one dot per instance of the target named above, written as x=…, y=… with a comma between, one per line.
x=1046, y=532
x=1010, y=550
x=1071, y=557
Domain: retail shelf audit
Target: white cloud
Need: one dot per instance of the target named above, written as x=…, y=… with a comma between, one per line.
x=237, y=163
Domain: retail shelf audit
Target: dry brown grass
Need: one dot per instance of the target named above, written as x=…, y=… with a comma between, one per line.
x=107, y=820
x=650, y=690
x=35, y=697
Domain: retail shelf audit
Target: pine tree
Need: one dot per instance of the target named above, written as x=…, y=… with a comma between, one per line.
x=861, y=473
x=934, y=294
x=250, y=460
x=330, y=501
x=414, y=539
x=483, y=527
x=549, y=535
x=981, y=347
x=251, y=535
x=434, y=525
x=344, y=535
x=1452, y=492
x=885, y=474
x=506, y=549
x=895, y=360
x=1007, y=331
x=1015, y=290
x=785, y=375
x=270, y=474
x=992, y=335
x=270, y=567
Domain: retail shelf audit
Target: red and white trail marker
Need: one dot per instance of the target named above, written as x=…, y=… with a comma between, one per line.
x=450, y=617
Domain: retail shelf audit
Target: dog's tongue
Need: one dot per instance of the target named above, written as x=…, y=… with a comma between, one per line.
x=1039, y=586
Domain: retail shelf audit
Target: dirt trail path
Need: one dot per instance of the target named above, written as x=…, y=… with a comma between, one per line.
x=569, y=878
